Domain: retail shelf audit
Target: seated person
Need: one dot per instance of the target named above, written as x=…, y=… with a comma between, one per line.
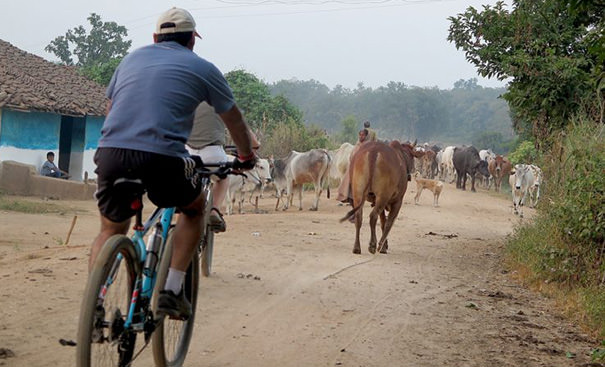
x=50, y=170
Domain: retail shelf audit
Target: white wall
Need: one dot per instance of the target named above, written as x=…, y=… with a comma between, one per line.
x=88, y=164
x=79, y=162
x=35, y=157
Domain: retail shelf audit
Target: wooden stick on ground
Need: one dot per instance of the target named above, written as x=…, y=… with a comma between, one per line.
x=73, y=223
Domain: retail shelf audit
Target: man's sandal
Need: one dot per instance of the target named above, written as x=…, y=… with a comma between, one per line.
x=216, y=221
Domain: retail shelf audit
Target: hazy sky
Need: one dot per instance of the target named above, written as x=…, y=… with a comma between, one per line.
x=334, y=42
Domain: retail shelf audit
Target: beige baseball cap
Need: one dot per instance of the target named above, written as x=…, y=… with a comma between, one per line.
x=176, y=20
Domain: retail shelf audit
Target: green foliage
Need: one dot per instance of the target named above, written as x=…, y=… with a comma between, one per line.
x=493, y=140
x=548, y=51
x=581, y=207
x=97, y=52
x=102, y=72
x=274, y=118
x=525, y=153
x=262, y=111
x=398, y=111
x=25, y=206
x=287, y=137
x=566, y=241
x=350, y=130
x=104, y=42
x=598, y=354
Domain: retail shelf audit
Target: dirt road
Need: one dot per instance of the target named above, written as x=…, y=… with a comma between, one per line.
x=287, y=291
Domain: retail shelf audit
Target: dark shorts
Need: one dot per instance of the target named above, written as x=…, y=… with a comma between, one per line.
x=169, y=181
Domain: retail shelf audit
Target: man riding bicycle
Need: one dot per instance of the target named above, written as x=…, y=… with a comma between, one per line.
x=152, y=98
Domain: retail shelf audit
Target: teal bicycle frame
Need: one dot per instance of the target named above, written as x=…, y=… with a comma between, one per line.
x=146, y=281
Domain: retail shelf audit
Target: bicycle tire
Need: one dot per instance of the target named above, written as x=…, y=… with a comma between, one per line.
x=170, y=340
x=207, y=248
x=114, y=307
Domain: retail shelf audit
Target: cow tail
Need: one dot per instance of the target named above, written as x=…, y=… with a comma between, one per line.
x=351, y=212
x=326, y=175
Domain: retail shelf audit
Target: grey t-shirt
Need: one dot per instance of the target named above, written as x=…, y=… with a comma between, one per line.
x=48, y=169
x=208, y=128
x=154, y=92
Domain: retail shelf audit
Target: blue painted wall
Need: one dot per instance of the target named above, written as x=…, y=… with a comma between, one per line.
x=93, y=131
x=30, y=130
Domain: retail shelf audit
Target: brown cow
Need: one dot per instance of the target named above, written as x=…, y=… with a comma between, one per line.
x=379, y=173
x=499, y=167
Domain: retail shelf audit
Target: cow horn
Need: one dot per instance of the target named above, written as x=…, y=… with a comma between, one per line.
x=414, y=144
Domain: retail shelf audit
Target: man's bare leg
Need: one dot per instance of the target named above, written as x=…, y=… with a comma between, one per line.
x=108, y=229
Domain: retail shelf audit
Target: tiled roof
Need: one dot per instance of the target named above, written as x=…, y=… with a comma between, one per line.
x=28, y=82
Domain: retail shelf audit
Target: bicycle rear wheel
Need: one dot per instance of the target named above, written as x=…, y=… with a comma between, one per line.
x=170, y=340
x=102, y=339
x=207, y=248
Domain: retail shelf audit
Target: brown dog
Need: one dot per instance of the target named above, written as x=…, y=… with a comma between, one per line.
x=434, y=186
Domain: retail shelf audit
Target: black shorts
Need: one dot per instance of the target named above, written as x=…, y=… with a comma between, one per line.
x=169, y=181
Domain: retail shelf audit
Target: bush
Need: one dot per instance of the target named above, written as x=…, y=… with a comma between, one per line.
x=287, y=137
x=566, y=241
x=525, y=153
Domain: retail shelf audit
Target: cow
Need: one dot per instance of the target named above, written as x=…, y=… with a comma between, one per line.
x=251, y=182
x=488, y=156
x=521, y=179
x=340, y=161
x=534, y=190
x=297, y=169
x=499, y=167
x=379, y=173
x=447, y=164
x=466, y=161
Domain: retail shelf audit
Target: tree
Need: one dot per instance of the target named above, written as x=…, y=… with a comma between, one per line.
x=261, y=110
x=545, y=49
x=349, y=132
x=97, y=52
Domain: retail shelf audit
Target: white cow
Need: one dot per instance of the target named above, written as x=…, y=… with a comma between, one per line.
x=297, y=169
x=488, y=156
x=340, y=161
x=534, y=190
x=447, y=164
x=242, y=186
x=520, y=180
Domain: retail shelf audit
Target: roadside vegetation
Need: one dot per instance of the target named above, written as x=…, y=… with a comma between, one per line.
x=553, y=54
x=30, y=206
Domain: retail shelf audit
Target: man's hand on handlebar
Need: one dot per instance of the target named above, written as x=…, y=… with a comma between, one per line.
x=245, y=163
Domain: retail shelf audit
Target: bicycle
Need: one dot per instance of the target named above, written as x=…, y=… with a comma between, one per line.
x=120, y=298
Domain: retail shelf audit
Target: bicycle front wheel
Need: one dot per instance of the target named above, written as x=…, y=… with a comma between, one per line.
x=207, y=248
x=170, y=340
x=102, y=339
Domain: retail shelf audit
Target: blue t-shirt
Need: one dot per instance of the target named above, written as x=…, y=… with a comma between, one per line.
x=154, y=92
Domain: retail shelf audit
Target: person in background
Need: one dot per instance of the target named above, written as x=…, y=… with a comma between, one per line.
x=49, y=169
x=344, y=189
x=371, y=132
x=153, y=95
x=207, y=140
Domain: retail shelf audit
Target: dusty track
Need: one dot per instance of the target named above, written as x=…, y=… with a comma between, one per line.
x=287, y=291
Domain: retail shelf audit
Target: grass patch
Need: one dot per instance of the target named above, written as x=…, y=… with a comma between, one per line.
x=32, y=206
x=23, y=206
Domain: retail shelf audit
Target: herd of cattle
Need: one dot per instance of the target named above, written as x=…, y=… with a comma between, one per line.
x=379, y=173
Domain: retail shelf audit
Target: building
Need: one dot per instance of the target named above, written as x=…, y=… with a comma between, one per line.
x=48, y=107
